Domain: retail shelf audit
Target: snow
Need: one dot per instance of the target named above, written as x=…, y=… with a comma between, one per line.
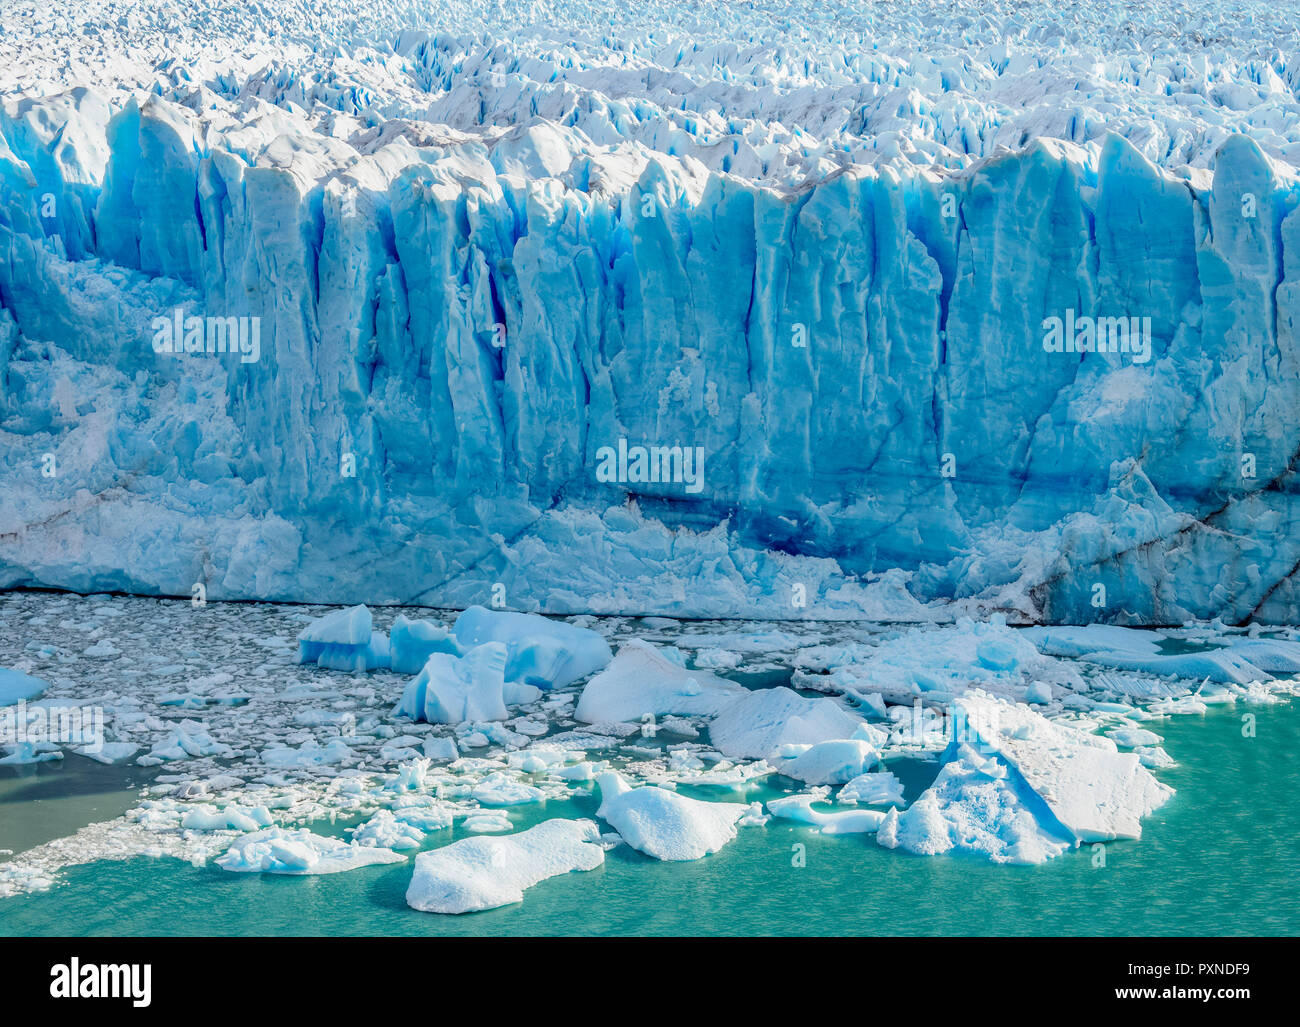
x=280, y=851
x=664, y=825
x=642, y=681
x=484, y=873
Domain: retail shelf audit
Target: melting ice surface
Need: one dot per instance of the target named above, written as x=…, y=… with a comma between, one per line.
x=263, y=763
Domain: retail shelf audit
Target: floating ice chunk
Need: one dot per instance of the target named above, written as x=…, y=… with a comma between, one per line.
x=878, y=788
x=1132, y=737
x=641, y=681
x=412, y=642
x=663, y=824
x=799, y=807
x=1038, y=692
x=281, y=851
x=1154, y=756
x=16, y=686
x=441, y=749
x=411, y=777
x=189, y=739
x=23, y=754
x=232, y=818
x=829, y=763
x=1276, y=656
x=484, y=873
x=542, y=652
x=344, y=640
x=108, y=752
x=310, y=754
x=385, y=831
x=503, y=789
x=973, y=806
x=455, y=689
x=756, y=724
x=1085, y=784
x=1129, y=649
x=487, y=823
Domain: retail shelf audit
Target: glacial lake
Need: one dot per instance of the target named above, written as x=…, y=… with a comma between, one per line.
x=1221, y=858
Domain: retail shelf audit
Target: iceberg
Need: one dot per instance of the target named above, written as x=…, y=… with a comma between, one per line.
x=641, y=681
x=664, y=825
x=1081, y=781
x=343, y=640
x=543, y=653
x=757, y=724
x=484, y=873
x=458, y=689
x=834, y=762
x=412, y=642
x=1016, y=787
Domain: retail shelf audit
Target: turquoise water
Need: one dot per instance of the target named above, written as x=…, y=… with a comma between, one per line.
x=1222, y=858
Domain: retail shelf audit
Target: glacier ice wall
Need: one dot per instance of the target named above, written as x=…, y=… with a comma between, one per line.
x=454, y=323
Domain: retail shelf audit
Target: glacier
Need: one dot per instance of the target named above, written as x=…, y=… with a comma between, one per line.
x=465, y=255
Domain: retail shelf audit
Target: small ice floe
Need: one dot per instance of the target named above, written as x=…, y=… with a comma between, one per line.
x=663, y=824
x=310, y=754
x=385, y=831
x=799, y=807
x=108, y=752
x=344, y=640
x=231, y=818
x=489, y=822
x=877, y=788
x=1133, y=650
x=642, y=681
x=756, y=724
x=22, y=754
x=541, y=652
x=16, y=686
x=503, y=789
x=280, y=851
x=834, y=762
x=187, y=740
x=484, y=873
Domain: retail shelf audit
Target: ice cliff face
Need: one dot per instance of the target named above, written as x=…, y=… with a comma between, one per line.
x=842, y=266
